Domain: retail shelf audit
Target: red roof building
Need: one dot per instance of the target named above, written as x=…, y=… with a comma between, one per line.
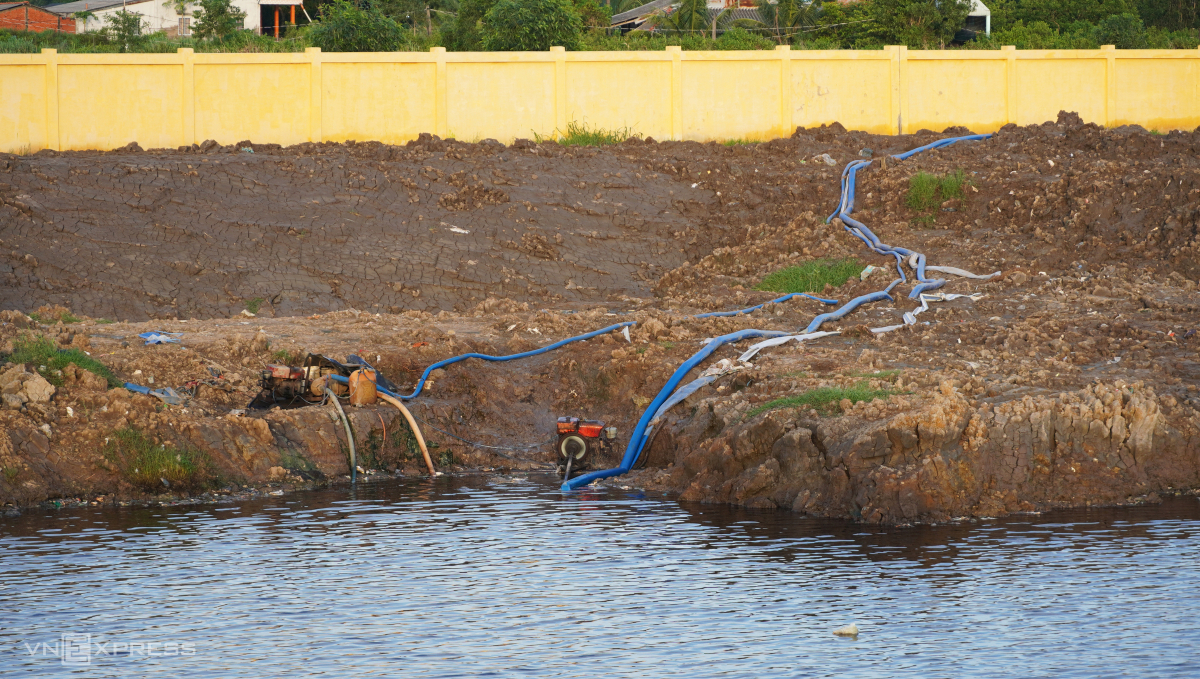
x=21, y=16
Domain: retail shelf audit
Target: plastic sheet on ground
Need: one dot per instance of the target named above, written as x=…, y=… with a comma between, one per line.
x=910, y=317
x=160, y=337
x=722, y=367
x=776, y=341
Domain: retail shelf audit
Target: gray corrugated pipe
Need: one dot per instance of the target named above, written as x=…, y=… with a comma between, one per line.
x=349, y=434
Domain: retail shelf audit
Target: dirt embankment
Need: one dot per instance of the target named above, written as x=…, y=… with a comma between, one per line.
x=1071, y=381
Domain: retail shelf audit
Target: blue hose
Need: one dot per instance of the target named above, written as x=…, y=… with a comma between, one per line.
x=524, y=354
x=847, y=308
x=638, y=438
x=845, y=206
x=785, y=298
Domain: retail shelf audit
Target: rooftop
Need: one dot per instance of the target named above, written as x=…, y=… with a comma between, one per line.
x=89, y=5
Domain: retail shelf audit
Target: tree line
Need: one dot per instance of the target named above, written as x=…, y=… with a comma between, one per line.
x=513, y=25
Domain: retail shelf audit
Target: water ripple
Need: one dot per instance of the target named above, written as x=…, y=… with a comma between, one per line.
x=481, y=577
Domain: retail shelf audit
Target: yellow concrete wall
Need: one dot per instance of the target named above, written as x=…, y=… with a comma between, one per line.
x=104, y=101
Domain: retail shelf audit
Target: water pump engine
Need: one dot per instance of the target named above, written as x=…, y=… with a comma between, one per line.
x=579, y=442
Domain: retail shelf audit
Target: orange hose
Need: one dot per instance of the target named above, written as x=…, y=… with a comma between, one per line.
x=416, y=430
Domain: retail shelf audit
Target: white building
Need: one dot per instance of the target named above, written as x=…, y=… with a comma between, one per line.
x=979, y=19
x=160, y=15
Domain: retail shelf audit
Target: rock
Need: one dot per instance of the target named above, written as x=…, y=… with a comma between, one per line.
x=655, y=328
x=17, y=318
x=75, y=376
x=37, y=390
x=14, y=401
x=1019, y=278
x=13, y=375
x=260, y=343
x=850, y=630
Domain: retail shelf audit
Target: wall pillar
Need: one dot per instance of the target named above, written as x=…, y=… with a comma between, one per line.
x=1009, y=53
x=51, y=60
x=676, y=54
x=315, y=93
x=441, y=124
x=560, y=90
x=902, y=83
x=1110, y=83
x=784, y=52
x=188, y=132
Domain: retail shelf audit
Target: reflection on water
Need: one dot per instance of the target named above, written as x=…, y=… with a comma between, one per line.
x=469, y=577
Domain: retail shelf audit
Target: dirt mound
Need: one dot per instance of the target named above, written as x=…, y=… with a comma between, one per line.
x=1068, y=379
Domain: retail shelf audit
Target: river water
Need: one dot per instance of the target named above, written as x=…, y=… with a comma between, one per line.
x=474, y=576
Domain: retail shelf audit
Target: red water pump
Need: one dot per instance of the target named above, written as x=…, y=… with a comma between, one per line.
x=579, y=441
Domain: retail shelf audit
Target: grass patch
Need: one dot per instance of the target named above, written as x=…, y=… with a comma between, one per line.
x=811, y=276
x=921, y=222
x=922, y=192
x=10, y=473
x=146, y=464
x=927, y=191
x=253, y=305
x=597, y=385
x=42, y=351
x=825, y=399
x=738, y=142
x=880, y=375
x=953, y=184
x=104, y=321
x=298, y=463
x=51, y=319
x=579, y=134
x=285, y=357
x=404, y=439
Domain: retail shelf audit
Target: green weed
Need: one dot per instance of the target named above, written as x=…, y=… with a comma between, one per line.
x=10, y=473
x=404, y=439
x=811, y=276
x=446, y=459
x=878, y=375
x=824, y=399
x=297, y=462
x=253, y=305
x=922, y=191
x=579, y=134
x=146, y=464
x=953, y=184
x=285, y=357
x=927, y=191
x=51, y=319
x=738, y=142
x=42, y=351
x=104, y=321
x=597, y=385
x=667, y=345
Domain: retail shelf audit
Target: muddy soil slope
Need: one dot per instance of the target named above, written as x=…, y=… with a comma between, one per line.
x=1071, y=380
